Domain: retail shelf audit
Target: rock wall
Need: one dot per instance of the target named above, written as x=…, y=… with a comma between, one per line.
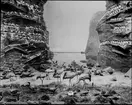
x=93, y=39
x=24, y=37
x=115, y=35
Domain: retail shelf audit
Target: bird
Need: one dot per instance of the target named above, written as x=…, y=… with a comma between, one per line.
x=59, y=70
x=57, y=75
x=87, y=76
x=69, y=76
x=27, y=84
x=26, y=74
x=55, y=63
x=78, y=73
x=50, y=70
x=41, y=77
x=70, y=68
x=67, y=69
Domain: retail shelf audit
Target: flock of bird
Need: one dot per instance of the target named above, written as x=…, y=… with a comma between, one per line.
x=60, y=72
x=71, y=71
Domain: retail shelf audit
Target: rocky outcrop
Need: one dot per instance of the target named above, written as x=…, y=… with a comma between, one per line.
x=24, y=37
x=115, y=35
x=93, y=39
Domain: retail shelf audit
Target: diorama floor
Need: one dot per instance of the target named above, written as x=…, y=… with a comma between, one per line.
x=88, y=94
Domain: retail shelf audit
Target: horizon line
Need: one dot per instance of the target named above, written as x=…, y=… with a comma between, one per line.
x=66, y=52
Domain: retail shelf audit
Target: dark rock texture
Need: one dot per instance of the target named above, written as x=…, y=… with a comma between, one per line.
x=114, y=30
x=93, y=39
x=24, y=37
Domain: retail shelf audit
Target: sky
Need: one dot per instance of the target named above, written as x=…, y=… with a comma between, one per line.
x=68, y=23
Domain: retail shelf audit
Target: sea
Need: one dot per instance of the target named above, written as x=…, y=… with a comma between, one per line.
x=68, y=57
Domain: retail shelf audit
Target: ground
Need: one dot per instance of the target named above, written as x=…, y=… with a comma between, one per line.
x=98, y=80
x=116, y=82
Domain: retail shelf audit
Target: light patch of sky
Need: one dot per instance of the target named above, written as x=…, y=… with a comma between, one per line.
x=68, y=23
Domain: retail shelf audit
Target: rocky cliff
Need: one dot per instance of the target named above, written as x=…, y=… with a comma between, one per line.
x=93, y=39
x=24, y=37
x=115, y=35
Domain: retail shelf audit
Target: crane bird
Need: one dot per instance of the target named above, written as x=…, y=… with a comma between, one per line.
x=49, y=71
x=41, y=77
x=68, y=69
x=56, y=75
x=78, y=73
x=29, y=86
x=84, y=78
x=26, y=74
x=69, y=76
x=59, y=69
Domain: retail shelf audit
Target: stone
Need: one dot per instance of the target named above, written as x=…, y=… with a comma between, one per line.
x=114, y=30
x=109, y=70
x=45, y=98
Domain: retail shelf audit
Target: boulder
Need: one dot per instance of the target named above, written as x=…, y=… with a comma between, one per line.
x=109, y=70
x=45, y=97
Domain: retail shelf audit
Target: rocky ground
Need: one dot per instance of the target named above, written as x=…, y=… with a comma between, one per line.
x=109, y=88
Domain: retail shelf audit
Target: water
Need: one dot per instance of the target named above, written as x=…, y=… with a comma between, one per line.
x=69, y=57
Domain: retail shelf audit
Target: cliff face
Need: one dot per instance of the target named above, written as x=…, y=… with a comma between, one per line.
x=115, y=35
x=93, y=39
x=24, y=37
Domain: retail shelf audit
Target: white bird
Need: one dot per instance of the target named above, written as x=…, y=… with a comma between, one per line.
x=79, y=72
x=69, y=75
x=58, y=72
x=42, y=77
x=49, y=71
x=57, y=75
